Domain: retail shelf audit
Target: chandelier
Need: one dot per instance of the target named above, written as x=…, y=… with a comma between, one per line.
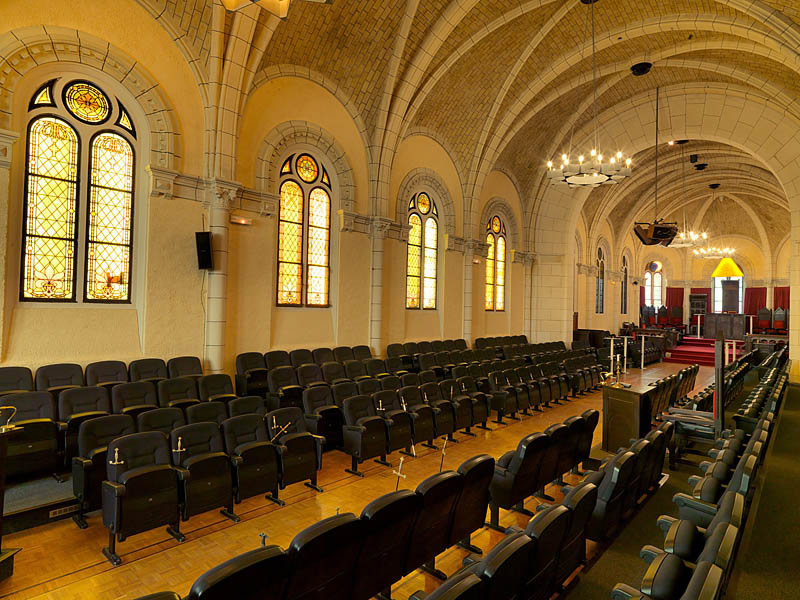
x=593, y=168
x=713, y=251
x=279, y=8
x=686, y=238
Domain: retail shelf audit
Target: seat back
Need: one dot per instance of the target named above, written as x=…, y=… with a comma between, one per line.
x=568, y=457
x=357, y=407
x=160, y=419
x=386, y=400
x=332, y=372
x=309, y=374
x=551, y=461
x=375, y=367
x=395, y=350
x=322, y=559
x=549, y=529
x=178, y=388
x=106, y=371
x=136, y=393
x=369, y=386
x=527, y=463
x=281, y=377
x=15, y=379
x=362, y=352
x=184, y=366
x=354, y=369
x=410, y=348
x=437, y=345
x=243, y=429
x=291, y=417
x=764, y=318
x=277, y=358
x=81, y=400
x=301, y=356
x=591, y=418
x=259, y=573
x=247, y=405
x=779, y=318
x=343, y=391
x=430, y=392
x=504, y=568
x=343, y=353
x=212, y=412
x=147, y=368
x=99, y=432
x=410, y=379
x=317, y=397
x=136, y=450
x=249, y=361
x=217, y=384
x=195, y=440
x=469, y=513
x=62, y=374
x=323, y=355
x=392, y=382
x=31, y=405
x=424, y=347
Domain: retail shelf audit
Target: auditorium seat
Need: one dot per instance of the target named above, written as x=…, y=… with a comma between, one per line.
x=184, y=366
x=376, y=368
x=140, y=492
x=322, y=559
x=444, y=413
x=322, y=416
x=251, y=374
x=469, y=514
x=528, y=396
x=591, y=418
x=362, y=353
x=206, y=412
x=204, y=470
x=300, y=357
x=148, y=369
x=399, y=423
x=310, y=375
x=464, y=585
x=396, y=366
x=355, y=370
x=35, y=447
x=399, y=351
x=461, y=403
x=637, y=485
x=423, y=416
x=549, y=530
x=370, y=386
x=217, y=387
x=549, y=470
x=503, y=569
x=178, y=392
x=670, y=578
x=106, y=373
x=365, y=433
x=256, y=463
x=134, y=398
x=246, y=405
x=277, y=358
x=343, y=353
x=14, y=380
x=344, y=390
x=300, y=452
x=333, y=373
x=323, y=355
x=160, y=419
x=504, y=396
x=59, y=377
x=284, y=388
x=568, y=457
x=481, y=406
x=76, y=405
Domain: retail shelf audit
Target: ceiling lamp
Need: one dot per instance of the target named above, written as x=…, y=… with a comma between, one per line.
x=279, y=8
x=592, y=168
x=686, y=237
x=713, y=251
x=727, y=268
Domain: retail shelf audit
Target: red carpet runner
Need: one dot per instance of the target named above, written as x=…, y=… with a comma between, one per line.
x=697, y=350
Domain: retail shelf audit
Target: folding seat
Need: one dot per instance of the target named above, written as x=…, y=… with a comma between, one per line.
x=216, y=387
x=742, y=480
x=77, y=405
x=428, y=376
x=549, y=530
x=437, y=345
x=504, y=567
x=35, y=446
x=591, y=419
x=89, y=467
x=200, y=450
x=343, y=353
x=134, y=398
x=425, y=347
x=527, y=395
x=277, y=358
x=533, y=374
x=106, y=373
x=423, y=416
x=140, y=492
x=255, y=459
x=476, y=372
x=369, y=386
x=431, y=533
x=355, y=370
x=365, y=433
x=464, y=585
x=147, y=369
x=396, y=366
x=427, y=362
x=555, y=372
x=444, y=416
x=251, y=374
x=399, y=422
x=668, y=578
x=362, y=353
x=300, y=451
x=300, y=357
x=579, y=378
x=410, y=379
x=310, y=375
x=206, y=412
x=376, y=368
x=322, y=559
x=14, y=380
x=469, y=513
x=580, y=502
x=396, y=351
x=504, y=397
x=284, y=388
x=160, y=419
x=612, y=483
x=57, y=378
x=387, y=526
x=344, y=390
x=515, y=476
x=333, y=373
x=481, y=405
x=461, y=403
x=179, y=392
x=322, y=416
x=568, y=457
x=323, y=355
x=248, y=405
x=184, y=366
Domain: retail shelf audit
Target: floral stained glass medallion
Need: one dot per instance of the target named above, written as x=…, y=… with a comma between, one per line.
x=86, y=102
x=307, y=168
x=424, y=203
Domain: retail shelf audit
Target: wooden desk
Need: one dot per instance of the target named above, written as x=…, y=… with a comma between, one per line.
x=733, y=327
x=626, y=414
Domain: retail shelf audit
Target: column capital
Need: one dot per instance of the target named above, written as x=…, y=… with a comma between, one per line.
x=7, y=139
x=221, y=194
x=353, y=221
x=478, y=247
x=586, y=269
x=614, y=275
x=162, y=182
x=525, y=258
x=384, y=228
x=452, y=242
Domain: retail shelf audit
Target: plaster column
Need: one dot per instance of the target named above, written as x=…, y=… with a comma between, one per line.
x=771, y=294
x=589, y=273
x=472, y=249
x=7, y=139
x=527, y=259
x=219, y=201
x=378, y=229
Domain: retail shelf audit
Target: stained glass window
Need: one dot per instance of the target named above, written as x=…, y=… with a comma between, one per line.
x=51, y=227
x=495, y=265
x=58, y=161
x=304, y=235
x=423, y=249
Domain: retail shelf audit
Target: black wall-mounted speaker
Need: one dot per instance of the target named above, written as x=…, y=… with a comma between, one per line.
x=203, y=241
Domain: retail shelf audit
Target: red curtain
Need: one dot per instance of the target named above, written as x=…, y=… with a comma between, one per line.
x=754, y=298
x=781, y=297
x=707, y=292
x=641, y=295
x=674, y=297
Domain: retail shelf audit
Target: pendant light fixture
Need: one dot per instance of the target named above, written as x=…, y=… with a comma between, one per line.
x=713, y=252
x=686, y=238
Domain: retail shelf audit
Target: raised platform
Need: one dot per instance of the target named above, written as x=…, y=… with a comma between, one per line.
x=694, y=350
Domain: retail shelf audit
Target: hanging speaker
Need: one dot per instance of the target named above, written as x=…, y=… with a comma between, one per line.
x=203, y=241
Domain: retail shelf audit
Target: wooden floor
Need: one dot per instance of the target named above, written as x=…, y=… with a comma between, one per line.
x=59, y=561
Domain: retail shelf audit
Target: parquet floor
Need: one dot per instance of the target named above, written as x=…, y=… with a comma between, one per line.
x=60, y=562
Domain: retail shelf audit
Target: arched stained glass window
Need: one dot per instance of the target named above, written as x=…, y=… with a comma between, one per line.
x=600, y=283
x=496, y=265
x=423, y=251
x=72, y=160
x=653, y=284
x=304, y=228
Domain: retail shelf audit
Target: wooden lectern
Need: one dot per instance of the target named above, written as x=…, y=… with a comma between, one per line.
x=6, y=554
x=626, y=414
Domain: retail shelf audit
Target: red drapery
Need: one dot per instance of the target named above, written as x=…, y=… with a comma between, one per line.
x=641, y=295
x=754, y=298
x=707, y=292
x=781, y=297
x=674, y=297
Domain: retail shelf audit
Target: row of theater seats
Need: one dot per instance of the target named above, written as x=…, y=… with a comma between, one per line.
x=673, y=390
x=700, y=544
x=532, y=564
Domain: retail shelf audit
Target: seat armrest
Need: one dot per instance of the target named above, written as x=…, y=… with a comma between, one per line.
x=85, y=415
x=183, y=474
x=354, y=428
x=649, y=553
x=543, y=506
x=95, y=451
x=513, y=529
x=116, y=489
x=312, y=417
x=622, y=591
x=236, y=461
x=81, y=463
x=664, y=522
